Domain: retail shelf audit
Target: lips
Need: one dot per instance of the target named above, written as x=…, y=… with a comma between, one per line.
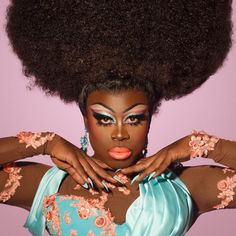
x=119, y=153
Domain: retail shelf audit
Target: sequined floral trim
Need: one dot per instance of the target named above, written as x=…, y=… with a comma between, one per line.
x=85, y=209
x=52, y=215
x=201, y=143
x=225, y=170
x=122, y=189
x=90, y=233
x=34, y=139
x=73, y=232
x=67, y=218
x=12, y=182
x=226, y=186
x=88, y=207
x=125, y=180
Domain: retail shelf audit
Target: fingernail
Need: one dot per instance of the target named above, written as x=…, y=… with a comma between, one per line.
x=104, y=184
x=118, y=179
x=91, y=182
x=134, y=179
x=151, y=175
x=118, y=170
x=85, y=185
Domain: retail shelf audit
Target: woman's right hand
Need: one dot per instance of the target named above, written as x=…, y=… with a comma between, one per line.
x=80, y=166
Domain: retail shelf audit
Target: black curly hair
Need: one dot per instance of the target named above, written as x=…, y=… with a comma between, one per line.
x=166, y=48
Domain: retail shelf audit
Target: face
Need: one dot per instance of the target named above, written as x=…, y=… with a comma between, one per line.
x=118, y=125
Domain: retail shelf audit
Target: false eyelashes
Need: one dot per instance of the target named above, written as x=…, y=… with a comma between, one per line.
x=106, y=120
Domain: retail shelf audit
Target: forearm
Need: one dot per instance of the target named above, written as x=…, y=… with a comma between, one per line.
x=13, y=148
x=224, y=153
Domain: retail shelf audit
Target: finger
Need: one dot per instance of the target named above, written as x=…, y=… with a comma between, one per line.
x=151, y=168
x=61, y=164
x=101, y=172
x=161, y=168
x=140, y=161
x=90, y=171
x=76, y=164
x=69, y=169
x=78, y=179
x=102, y=164
x=137, y=167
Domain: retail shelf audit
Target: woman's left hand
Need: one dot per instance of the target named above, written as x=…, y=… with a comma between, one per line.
x=158, y=163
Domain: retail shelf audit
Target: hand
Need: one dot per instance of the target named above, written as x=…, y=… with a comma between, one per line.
x=70, y=158
x=157, y=163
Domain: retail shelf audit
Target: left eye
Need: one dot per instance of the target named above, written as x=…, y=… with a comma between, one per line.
x=132, y=120
x=106, y=120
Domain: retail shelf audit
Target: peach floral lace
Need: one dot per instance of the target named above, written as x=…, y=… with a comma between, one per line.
x=53, y=213
x=12, y=183
x=201, y=143
x=226, y=186
x=84, y=208
x=34, y=140
x=123, y=189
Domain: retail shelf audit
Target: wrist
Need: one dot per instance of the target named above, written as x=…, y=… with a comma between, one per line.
x=201, y=143
x=50, y=144
x=35, y=143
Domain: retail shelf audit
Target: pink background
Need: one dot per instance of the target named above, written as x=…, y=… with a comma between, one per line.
x=211, y=108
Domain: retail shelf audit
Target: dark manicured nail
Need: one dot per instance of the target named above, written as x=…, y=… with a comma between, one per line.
x=91, y=182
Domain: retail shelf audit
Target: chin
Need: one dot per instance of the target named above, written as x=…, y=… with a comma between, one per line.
x=120, y=164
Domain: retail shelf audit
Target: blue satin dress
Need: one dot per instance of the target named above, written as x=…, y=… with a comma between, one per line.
x=164, y=208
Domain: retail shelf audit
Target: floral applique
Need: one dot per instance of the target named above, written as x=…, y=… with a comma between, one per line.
x=73, y=232
x=34, y=139
x=67, y=218
x=89, y=207
x=225, y=170
x=123, y=179
x=85, y=208
x=90, y=233
x=12, y=182
x=226, y=186
x=52, y=215
x=201, y=143
x=92, y=191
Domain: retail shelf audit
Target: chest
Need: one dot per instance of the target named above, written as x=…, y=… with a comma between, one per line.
x=117, y=201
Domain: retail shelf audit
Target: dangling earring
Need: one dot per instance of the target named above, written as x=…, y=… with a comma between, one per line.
x=84, y=142
x=144, y=151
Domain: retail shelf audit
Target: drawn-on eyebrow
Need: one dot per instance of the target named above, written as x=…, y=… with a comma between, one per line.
x=134, y=105
x=127, y=109
x=99, y=103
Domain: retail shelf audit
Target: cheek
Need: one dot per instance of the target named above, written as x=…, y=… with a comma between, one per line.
x=138, y=135
x=98, y=135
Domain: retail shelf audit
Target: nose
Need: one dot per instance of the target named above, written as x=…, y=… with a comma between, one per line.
x=120, y=133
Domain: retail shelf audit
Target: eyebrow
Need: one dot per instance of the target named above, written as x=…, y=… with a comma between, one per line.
x=127, y=109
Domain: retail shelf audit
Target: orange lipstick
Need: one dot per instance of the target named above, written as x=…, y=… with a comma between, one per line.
x=119, y=153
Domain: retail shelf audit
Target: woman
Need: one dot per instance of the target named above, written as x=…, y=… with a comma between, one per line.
x=116, y=90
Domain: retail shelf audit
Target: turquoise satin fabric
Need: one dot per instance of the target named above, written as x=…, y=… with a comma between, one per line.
x=164, y=208
x=49, y=184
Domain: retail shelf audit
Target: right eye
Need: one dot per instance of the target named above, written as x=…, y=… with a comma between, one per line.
x=103, y=119
x=106, y=120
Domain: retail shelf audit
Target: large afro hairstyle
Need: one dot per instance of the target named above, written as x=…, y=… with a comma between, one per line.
x=172, y=45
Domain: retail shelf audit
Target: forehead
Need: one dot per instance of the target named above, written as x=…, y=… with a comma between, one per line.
x=118, y=101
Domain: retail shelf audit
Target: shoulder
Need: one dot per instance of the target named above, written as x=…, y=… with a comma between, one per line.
x=203, y=185
x=27, y=179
